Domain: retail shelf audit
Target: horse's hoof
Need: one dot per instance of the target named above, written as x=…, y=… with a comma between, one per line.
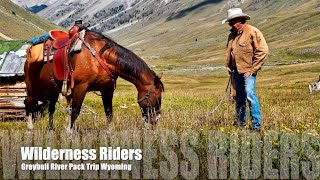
x=69, y=131
x=67, y=119
x=30, y=126
x=51, y=129
x=108, y=133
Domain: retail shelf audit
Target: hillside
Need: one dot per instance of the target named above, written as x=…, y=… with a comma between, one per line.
x=171, y=34
x=102, y=15
x=16, y=23
x=32, y=3
x=193, y=36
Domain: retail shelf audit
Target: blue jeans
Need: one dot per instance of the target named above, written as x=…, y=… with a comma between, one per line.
x=245, y=90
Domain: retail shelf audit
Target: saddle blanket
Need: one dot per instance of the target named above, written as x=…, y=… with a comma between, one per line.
x=35, y=53
x=78, y=43
x=39, y=39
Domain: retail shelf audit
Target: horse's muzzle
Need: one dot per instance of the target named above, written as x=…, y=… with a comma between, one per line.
x=152, y=117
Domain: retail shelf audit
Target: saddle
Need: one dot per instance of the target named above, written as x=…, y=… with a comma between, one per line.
x=61, y=38
x=62, y=43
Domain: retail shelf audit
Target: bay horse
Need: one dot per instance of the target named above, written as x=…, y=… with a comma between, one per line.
x=98, y=65
x=41, y=86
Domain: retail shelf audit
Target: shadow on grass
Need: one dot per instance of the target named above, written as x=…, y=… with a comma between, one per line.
x=185, y=12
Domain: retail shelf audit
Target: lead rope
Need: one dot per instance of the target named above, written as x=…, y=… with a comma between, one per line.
x=219, y=104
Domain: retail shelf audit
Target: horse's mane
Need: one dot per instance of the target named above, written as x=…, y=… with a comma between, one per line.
x=127, y=61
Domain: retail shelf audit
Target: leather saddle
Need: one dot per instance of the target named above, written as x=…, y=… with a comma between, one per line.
x=61, y=67
x=61, y=38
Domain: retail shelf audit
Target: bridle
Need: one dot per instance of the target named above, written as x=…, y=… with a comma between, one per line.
x=146, y=97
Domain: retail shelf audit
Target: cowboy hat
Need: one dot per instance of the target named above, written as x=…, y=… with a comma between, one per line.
x=235, y=13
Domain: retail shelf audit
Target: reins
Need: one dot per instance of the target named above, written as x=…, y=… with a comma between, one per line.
x=219, y=104
x=100, y=60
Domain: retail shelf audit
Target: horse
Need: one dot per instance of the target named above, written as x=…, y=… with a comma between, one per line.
x=41, y=86
x=97, y=66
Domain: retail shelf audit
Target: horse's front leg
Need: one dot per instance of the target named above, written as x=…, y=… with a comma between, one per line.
x=52, y=107
x=107, y=97
x=68, y=108
x=79, y=92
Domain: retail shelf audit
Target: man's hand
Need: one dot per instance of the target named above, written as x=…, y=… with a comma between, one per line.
x=248, y=74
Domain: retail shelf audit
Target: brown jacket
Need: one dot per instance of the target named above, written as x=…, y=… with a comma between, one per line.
x=250, y=50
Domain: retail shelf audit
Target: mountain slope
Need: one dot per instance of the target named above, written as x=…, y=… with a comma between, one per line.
x=17, y=23
x=106, y=14
x=193, y=34
x=31, y=3
x=184, y=33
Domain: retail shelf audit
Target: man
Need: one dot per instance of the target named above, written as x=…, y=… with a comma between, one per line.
x=246, y=52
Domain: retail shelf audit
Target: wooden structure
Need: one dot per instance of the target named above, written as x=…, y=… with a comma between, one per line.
x=12, y=87
x=12, y=101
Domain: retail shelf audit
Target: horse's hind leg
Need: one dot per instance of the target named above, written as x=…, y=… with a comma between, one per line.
x=52, y=107
x=78, y=95
x=30, y=108
x=107, y=103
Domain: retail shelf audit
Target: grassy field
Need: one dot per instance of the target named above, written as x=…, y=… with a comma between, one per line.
x=287, y=110
x=282, y=91
x=6, y=46
x=195, y=81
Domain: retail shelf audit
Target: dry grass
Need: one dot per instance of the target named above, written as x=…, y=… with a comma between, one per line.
x=286, y=106
x=192, y=90
x=282, y=91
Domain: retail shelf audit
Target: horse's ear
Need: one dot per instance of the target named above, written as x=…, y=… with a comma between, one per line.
x=160, y=75
x=158, y=80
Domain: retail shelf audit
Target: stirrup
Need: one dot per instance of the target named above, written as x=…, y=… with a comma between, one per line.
x=64, y=90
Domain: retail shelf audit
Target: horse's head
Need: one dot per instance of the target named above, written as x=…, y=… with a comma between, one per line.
x=150, y=102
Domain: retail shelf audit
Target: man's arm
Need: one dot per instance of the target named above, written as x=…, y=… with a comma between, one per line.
x=228, y=54
x=260, y=51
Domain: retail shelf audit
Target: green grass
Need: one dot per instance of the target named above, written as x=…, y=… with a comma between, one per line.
x=6, y=46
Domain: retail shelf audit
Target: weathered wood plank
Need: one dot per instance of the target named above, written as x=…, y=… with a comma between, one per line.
x=12, y=102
